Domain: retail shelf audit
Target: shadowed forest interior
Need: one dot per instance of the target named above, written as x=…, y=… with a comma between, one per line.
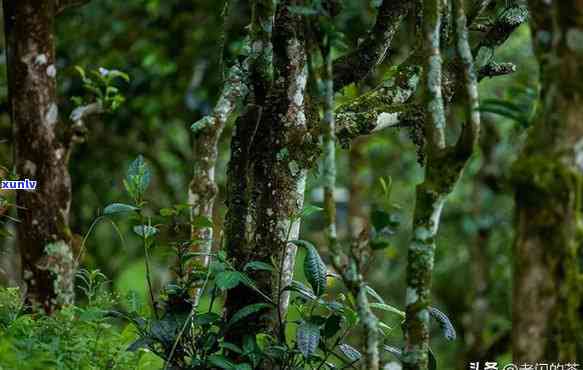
x=291, y=184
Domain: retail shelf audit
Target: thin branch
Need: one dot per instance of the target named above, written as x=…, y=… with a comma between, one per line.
x=471, y=131
x=432, y=82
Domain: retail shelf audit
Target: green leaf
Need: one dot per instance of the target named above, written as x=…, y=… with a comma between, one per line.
x=388, y=308
x=306, y=292
x=308, y=337
x=206, y=318
x=228, y=279
x=221, y=361
x=385, y=328
x=398, y=353
x=201, y=222
x=350, y=352
x=374, y=294
x=114, y=208
x=165, y=212
x=145, y=231
x=444, y=323
x=114, y=73
x=310, y=209
x=258, y=266
x=232, y=347
x=314, y=268
x=138, y=177
x=143, y=342
x=247, y=311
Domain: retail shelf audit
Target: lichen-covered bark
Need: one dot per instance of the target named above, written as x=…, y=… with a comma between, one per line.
x=203, y=188
x=391, y=104
x=272, y=193
x=444, y=166
x=40, y=155
x=547, y=179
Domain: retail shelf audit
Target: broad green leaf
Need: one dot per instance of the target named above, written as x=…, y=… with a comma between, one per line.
x=308, y=337
x=232, y=347
x=138, y=177
x=350, y=352
x=142, y=342
x=221, y=361
x=314, y=268
x=145, y=231
x=206, y=318
x=398, y=353
x=119, y=208
x=303, y=290
x=444, y=323
x=258, y=266
x=228, y=279
x=247, y=311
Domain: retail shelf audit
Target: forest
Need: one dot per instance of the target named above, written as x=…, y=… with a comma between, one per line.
x=291, y=184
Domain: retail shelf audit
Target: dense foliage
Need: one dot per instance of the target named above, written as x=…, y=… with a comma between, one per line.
x=163, y=281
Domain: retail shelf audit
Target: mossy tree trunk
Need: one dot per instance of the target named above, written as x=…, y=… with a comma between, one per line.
x=41, y=153
x=271, y=152
x=443, y=167
x=548, y=284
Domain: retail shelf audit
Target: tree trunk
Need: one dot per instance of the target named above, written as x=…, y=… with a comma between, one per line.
x=548, y=294
x=271, y=152
x=43, y=231
x=443, y=168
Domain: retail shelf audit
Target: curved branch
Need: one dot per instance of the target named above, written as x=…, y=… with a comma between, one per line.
x=356, y=65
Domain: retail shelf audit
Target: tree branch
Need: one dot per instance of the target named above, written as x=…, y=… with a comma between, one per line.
x=443, y=169
x=401, y=86
x=356, y=65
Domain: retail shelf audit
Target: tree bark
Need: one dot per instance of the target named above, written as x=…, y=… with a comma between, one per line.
x=547, y=290
x=444, y=166
x=43, y=231
x=265, y=200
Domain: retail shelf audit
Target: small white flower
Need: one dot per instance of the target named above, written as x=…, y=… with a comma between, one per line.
x=104, y=72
